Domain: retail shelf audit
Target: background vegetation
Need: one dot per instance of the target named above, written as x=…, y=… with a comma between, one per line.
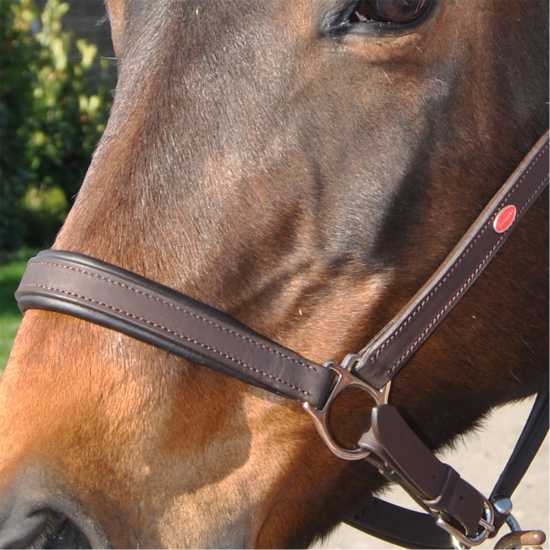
x=10, y=273
x=54, y=102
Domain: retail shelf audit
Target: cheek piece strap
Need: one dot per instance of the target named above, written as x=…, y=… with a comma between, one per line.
x=107, y=295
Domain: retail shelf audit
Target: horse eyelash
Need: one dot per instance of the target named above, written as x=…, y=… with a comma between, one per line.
x=336, y=20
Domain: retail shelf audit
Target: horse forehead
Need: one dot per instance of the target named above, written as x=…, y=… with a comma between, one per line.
x=217, y=22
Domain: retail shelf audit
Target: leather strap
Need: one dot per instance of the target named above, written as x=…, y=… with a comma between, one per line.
x=404, y=458
x=118, y=299
x=524, y=452
x=399, y=340
x=400, y=526
x=412, y=529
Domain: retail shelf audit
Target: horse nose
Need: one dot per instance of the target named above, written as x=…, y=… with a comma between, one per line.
x=21, y=527
x=32, y=515
x=25, y=525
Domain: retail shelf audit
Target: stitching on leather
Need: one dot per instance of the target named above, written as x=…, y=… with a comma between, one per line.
x=414, y=346
x=453, y=299
x=533, y=194
x=173, y=333
x=459, y=260
x=182, y=309
x=374, y=357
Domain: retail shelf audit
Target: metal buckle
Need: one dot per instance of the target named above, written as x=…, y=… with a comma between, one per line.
x=504, y=507
x=460, y=540
x=345, y=378
x=517, y=538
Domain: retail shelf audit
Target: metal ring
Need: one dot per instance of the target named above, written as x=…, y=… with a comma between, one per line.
x=345, y=378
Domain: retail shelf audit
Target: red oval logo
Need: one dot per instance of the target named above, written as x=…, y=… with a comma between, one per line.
x=505, y=218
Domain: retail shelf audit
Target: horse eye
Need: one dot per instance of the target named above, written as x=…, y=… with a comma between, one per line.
x=399, y=12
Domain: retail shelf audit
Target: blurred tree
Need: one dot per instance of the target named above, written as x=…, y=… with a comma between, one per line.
x=53, y=110
x=17, y=50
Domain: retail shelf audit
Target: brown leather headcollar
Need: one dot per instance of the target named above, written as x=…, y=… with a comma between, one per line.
x=108, y=295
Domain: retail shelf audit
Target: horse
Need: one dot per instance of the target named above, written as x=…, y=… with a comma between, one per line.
x=303, y=166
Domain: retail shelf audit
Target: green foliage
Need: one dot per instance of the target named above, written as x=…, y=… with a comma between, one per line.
x=17, y=50
x=11, y=271
x=45, y=209
x=54, y=102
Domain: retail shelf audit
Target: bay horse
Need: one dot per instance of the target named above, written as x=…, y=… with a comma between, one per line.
x=303, y=166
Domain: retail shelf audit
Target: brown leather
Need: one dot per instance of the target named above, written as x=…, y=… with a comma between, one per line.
x=389, y=351
x=398, y=525
x=107, y=295
x=431, y=482
x=118, y=299
x=417, y=530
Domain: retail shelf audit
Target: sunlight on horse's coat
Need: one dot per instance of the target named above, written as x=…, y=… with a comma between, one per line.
x=307, y=181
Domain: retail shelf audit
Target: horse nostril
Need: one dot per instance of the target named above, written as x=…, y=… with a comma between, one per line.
x=21, y=530
x=37, y=511
x=64, y=534
x=40, y=529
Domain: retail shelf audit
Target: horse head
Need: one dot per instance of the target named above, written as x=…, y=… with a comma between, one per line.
x=303, y=166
